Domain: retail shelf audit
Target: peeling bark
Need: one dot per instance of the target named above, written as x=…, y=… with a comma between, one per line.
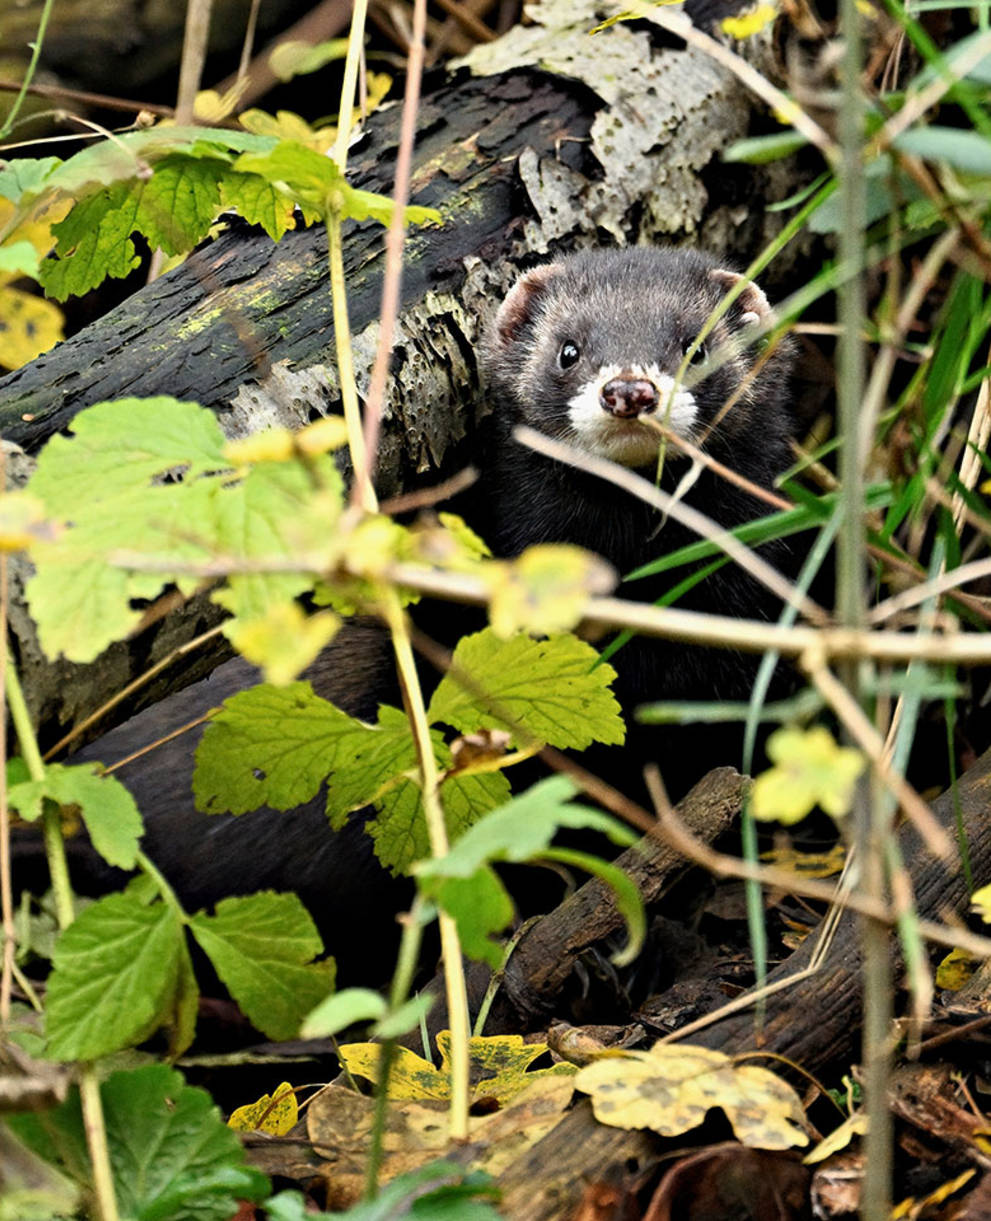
x=520, y=164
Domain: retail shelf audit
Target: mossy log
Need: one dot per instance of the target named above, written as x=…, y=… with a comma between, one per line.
x=520, y=163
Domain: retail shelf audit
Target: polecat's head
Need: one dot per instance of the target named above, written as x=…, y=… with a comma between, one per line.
x=589, y=349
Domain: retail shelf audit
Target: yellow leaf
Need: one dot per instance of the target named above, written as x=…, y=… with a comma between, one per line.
x=288, y=126
x=373, y=545
x=747, y=24
x=284, y=641
x=810, y=769
x=924, y=1206
x=212, y=108
x=955, y=970
x=276, y=1114
x=378, y=85
x=322, y=436
x=980, y=902
x=29, y=325
x=670, y=1088
x=545, y=590
x=808, y=864
x=838, y=1139
x=272, y=445
x=499, y=1068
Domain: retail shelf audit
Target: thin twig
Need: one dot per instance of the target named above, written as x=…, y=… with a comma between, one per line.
x=394, y=243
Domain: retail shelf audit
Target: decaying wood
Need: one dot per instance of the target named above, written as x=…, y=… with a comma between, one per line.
x=520, y=164
x=815, y=1023
x=545, y=955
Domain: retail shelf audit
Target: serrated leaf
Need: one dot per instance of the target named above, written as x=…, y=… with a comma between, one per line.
x=980, y=902
x=522, y=829
x=106, y=807
x=268, y=746
x=172, y=1156
x=29, y=325
x=114, y=974
x=258, y=202
x=369, y=759
x=177, y=204
x=94, y=241
x=548, y=690
x=275, y=513
x=261, y=946
x=545, y=589
x=671, y=1087
x=399, y=831
x=122, y=445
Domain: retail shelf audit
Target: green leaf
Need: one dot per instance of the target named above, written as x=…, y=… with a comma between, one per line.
x=522, y=829
x=172, y=1156
x=269, y=746
x=93, y=242
x=258, y=202
x=548, y=690
x=368, y=759
x=335, y=1013
x=107, y=808
x=480, y=906
x=23, y=176
x=440, y=1191
x=273, y=514
x=19, y=258
x=114, y=977
x=261, y=946
x=758, y=150
x=399, y=832
x=177, y=205
x=965, y=150
x=315, y=181
x=121, y=446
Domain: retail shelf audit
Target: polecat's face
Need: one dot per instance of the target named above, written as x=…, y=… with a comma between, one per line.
x=597, y=348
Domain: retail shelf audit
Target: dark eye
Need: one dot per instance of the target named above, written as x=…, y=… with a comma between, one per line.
x=569, y=354
x=700, y=354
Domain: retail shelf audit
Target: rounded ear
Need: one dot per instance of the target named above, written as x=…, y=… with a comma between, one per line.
x=755, y=306
x=518, y=307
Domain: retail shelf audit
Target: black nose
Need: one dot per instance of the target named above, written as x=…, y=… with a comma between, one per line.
x=628, y=397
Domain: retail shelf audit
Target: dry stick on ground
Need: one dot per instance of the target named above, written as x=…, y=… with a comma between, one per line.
x=813, y=1021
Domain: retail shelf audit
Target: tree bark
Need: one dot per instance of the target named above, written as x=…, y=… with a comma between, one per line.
x=814, y=1024
x=520, y=164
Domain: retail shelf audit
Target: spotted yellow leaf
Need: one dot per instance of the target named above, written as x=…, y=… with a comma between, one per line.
x=500, y=1068
x=276, y=1113
x=955, y=970
x=29, y=325
x=671, y=1087
x=839, y=1138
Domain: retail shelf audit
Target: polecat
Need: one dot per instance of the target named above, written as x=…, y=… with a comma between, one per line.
x=583, y=349
x=586, y=350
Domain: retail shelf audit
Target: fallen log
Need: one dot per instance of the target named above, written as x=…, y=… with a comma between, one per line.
x=624, y=145
x=815, y=1023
